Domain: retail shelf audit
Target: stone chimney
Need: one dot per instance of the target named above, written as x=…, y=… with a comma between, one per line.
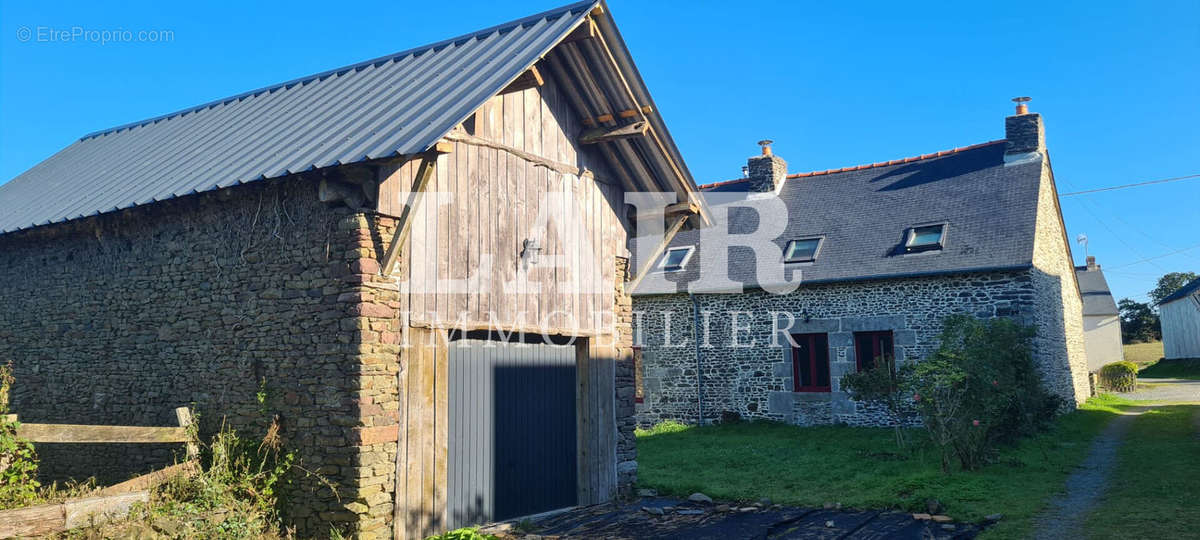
x=767, y=171
x=1024, y=130
x=1091, y=264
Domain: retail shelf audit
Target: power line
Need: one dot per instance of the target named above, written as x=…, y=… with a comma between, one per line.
x=1178, y=251
x=1162, y=181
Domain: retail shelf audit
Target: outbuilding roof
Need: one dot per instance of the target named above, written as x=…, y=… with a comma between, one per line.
x=1183, y=292
x=400, y=104
x=1097, y=298
x=863, y=216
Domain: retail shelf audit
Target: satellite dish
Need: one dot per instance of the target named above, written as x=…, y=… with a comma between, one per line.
x=1082, y=238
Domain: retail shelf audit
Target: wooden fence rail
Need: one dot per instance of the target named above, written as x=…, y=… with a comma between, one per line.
x=113, y=502
x=78, y=433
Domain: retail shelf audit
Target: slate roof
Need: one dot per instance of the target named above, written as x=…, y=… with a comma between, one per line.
x=399, y=104
x=863, y=214
x=1182, y=292
x=1097, y=299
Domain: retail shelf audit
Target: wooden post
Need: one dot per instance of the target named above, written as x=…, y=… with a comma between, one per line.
x=184, y=415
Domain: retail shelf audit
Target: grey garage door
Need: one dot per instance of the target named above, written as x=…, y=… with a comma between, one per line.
x=512, y=430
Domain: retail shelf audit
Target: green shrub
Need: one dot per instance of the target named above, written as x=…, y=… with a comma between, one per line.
x=18, y=460
x=466, y=533
x=881, y=384
x=1119, y=376
x=979, y=389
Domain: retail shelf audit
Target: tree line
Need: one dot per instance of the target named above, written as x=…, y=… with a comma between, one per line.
x=1139, y=320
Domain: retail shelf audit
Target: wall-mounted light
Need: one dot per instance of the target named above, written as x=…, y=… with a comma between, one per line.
x=530, y=250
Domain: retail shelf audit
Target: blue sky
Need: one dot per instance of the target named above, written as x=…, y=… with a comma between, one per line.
x=833, y=85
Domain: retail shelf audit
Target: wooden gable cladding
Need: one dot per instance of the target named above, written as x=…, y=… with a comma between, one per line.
x=522, y=175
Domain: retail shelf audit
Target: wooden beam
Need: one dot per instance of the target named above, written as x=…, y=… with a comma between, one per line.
x=685, y=207
x=532, y=78
x=74, y=433
x=156, y=478
x=404, y=225
x=587, y=30
x=658, y=251
x=602, y=134
x=442, y=147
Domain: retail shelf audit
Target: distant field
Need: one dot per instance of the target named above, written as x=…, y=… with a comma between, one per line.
x=1144, y=353
x=1148, y=357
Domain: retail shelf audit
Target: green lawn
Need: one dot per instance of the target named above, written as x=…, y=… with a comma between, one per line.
x=862, y=468
x=1153, y=491
x=1144, y=353
x=1188, y=368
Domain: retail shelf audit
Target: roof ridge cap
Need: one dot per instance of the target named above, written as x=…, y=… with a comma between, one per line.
x=941, y=153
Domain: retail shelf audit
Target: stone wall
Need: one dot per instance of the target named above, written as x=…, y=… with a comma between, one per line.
x=626, y=415
x=1059, y=317
x=751, y=375
x=207, y=301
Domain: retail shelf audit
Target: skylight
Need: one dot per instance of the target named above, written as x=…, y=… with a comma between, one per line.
x=802, y=250
x=675, y=259
x=925, y=238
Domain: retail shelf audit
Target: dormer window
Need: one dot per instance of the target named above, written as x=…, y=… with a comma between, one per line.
x=675, y=259
x=802, y=250
x=925, y=238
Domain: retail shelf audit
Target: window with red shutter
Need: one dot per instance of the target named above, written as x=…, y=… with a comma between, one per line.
x=810, y=363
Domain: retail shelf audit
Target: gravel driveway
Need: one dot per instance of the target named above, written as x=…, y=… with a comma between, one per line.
x=1166, y=390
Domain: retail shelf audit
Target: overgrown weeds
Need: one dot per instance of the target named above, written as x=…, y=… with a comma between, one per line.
x=18, y=459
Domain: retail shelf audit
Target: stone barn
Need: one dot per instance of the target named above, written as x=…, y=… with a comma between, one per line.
x=857, y=263
x=414, y=264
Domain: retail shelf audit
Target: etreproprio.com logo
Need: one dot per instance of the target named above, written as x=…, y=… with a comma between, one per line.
x=80, y=34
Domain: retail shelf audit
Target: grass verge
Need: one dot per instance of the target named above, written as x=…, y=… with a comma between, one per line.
x=862, y=468
x=1188, y=368
x=1152, y=491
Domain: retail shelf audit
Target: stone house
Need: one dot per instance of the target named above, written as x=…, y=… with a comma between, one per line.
x=1101, y=319
x=1180, y=316
x=414, y=265
x=858, y=263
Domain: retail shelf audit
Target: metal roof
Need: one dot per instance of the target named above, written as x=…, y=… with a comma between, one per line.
x=399, y=104
x=1183, y=292
x=1097, y=298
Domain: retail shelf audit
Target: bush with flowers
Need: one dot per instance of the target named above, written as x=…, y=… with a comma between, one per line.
x=979, y=390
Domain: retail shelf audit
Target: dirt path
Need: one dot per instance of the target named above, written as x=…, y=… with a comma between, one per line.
x=1064, y=518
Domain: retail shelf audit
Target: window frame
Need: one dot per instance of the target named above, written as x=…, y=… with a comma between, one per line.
x=813, y=359
x=911, y=236
x=876, y=345
x=662, y=262
x=816, y=252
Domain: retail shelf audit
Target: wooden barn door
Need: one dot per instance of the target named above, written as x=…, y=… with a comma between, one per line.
x=512, y=430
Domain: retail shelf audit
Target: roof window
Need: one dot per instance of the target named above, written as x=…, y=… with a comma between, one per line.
x=925, y=238
x=802, y=250
x=675, y=259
